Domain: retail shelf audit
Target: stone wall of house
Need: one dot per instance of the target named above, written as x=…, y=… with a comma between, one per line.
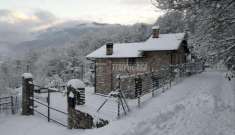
x=157, y=59
x=103, y=81
x=108, y=69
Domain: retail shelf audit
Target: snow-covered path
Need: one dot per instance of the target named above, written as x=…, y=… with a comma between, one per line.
x=203, y=104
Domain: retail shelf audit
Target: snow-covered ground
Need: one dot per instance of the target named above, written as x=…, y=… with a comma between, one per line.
x=203, y=104
x=93, y=103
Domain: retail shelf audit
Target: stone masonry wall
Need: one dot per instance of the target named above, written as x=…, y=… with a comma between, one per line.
x=103, y=76
x=108, y=69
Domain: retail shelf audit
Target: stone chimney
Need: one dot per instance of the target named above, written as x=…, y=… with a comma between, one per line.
x=155, y=31
x=109, y=48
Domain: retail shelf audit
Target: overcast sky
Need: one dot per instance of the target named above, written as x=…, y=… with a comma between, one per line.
x=104, y=11
x=19, y=18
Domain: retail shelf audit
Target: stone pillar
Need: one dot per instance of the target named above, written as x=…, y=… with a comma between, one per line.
x=71, y=107
x=27, y=94
x=76, y=96
x=76, y=118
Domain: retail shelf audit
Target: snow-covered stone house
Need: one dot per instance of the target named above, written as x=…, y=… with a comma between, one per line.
x=133, y=58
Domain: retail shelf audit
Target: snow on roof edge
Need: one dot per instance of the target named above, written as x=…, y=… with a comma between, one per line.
x=122, y=50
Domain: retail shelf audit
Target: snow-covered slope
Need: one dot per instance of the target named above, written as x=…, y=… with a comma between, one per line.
x=203, y=104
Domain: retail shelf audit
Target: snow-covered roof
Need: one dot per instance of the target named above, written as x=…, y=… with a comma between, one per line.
x=119, y=51
x=129, y=50
x=164, y=42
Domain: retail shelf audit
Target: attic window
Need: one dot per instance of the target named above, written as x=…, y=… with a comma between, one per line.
x=131, y=61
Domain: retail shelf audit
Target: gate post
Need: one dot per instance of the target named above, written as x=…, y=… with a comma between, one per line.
x=27, y=94
x=75, y=95
x=71, y=107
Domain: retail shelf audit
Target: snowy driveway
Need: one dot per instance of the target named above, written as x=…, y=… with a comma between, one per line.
x=203, y=104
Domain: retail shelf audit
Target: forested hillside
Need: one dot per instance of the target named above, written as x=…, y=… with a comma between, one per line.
x=63, y=48
x=210, y=26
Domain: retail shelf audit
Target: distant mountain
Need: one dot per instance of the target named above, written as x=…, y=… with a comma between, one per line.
x=87, y=35
x=58, y=36
x=4, y=49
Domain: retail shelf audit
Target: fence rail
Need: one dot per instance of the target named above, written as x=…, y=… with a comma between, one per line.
x=44, y=115
x=40, y=89
x=46, y=105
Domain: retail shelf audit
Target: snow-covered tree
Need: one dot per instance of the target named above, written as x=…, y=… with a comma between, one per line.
x=211, y=24
x=172, y=22
x=53, y=65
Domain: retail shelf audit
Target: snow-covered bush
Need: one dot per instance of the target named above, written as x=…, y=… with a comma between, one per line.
x=98, y=122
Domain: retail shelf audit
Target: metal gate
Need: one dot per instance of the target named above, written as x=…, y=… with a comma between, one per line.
x=42, y=105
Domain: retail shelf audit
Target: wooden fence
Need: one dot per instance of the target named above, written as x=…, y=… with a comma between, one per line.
x=137, y=85
x=9, y=104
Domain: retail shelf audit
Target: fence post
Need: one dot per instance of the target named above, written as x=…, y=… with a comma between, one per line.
x=74, y=88
x=12, y=105
x=152, y=92
x=152, y=84
x=171, y=75
x=71, y=107
x=118, y=113
x=27, y=94
x=16, y=104
x=139, y=101
x=48, y=105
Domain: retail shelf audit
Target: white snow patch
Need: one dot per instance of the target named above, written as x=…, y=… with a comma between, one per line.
x=156, y=27
x=27, y=75
x=71, y=95
x=203, y=104
x=76, y=84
